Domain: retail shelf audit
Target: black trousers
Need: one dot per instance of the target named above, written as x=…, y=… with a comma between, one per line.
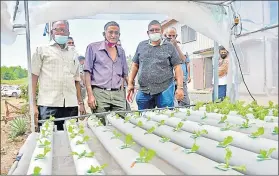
x=57, y=112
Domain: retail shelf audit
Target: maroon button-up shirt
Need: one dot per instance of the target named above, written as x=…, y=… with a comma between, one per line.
x=105, y=72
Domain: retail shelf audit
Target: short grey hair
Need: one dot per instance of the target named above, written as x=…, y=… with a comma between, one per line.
x=154, y=22
x=171, y=28
x=64, y=21
x=111, y=23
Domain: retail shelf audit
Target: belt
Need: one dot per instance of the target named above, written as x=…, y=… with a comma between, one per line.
x=111, y=89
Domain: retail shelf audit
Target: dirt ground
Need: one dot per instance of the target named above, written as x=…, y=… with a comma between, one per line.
x=9, y=148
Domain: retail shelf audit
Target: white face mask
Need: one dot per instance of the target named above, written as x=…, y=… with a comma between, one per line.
x=71, y=47
x=155, y=37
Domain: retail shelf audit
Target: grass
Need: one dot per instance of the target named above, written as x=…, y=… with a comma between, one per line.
x=23, y=81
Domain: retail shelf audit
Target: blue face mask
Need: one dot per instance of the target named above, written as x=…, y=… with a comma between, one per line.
x=61, y=39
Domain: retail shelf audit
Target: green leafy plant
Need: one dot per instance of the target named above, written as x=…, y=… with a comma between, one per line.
x=245, y=124
x=117, y=116
x=265, y=154
x=172, y=114
x=127, y=119
x=116, y=135
x=44, y=133
x=145, y=156
x=18, y=127
x=84, y=139
x=193, y=149
x=43, y=155
x=37, y=171
x=51, y=118
x=84, y=154
x=97, y=169
x=198, y=106
x=164, y=139
x=227, y=127
x=43, y=144
x=72, y=121
x=72, y=132
x=150, y=131
x=270, y=104
x=199, y=133
x=258, y=133
x=162, y=122
x=137, y=114
x=139, y=124
x=128, y=141
x=178, y=127
x=227, y=141
x=223, y=119
x=188, y=112
x=148, y=118
x=275, y=112
x=227, y=166
x=275, y=131
x=99, y=123
x=204, y=116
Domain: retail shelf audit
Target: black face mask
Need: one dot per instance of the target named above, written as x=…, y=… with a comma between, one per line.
x=223, y=56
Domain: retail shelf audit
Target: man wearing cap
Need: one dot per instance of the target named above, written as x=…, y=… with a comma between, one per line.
x=105, y=68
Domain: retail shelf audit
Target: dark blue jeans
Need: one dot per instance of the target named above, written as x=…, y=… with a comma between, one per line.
x=222, y=90
x=160, y=100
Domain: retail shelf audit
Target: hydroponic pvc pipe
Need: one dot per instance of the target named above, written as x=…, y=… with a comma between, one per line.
x=267, y=134
x=209, y=149
x=26, y=152
x=124, y=157
x=192, y=164
x=83, y=164
x=240, y=140
x=46, y=163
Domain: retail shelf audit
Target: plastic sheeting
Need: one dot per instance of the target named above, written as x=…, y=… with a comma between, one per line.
x=210, y=20
x=8, y=36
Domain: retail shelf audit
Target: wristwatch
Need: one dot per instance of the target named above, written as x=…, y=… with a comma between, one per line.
x=80, y=103
x=180, y=87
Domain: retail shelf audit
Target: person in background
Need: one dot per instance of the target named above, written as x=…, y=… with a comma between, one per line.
x=171, y=35
x=70, y=42
x=222, y=73
x=81, y=60
x=57, y=71
x=105, y=68
x=155, y=60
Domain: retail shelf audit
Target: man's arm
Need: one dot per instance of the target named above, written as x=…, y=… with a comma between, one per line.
x=36, y=66
x=223, y=69
x=125, y=68
x=178, y=75
x=180, y=53
x=133, y=73
x=88, y=70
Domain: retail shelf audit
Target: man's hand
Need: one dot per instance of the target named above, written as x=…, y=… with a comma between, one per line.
x=82, y=109
x=174, y=41
x=130, y=93
x=179, y=94
x=189, y=79
x=36, y=116
x=92, y=102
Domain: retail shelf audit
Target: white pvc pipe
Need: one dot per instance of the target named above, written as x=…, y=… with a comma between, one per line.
x=213, y=122
x=83, y=164
x=46, y=163
x=189, y=164
x=240, y=140
x=124, y=157
x=209, y=149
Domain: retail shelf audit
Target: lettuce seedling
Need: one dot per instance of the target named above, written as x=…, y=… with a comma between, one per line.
x=37, y=171
x=84, y=139
x=44, y=133
x=188, y=112
x=73, y=121
x=245, y=124
x=97, y=169
x=145, y=156
x=227, y=141
x=139, y=124
x=116, y=135
x=199, y=133
x=43, y=155
x=136, y=114
x=128, y=141
x=223, y=119
x=270, y=104
x=178, y=127
x=258, y=133
x=84, y=154
x=265, y=154
x=127, y=119
x=275, y=131
x=43, y=144
x=148, y=118
x=99, y=123
x=164, y=139
x=193, y=149
x=51, y=118
x=117, y=116
x=275, y=112
x=176, y=109
x=227, y=166
x=227, y=127
x=204, y=116
x=162, y=122
x=198, y=106
x=46, y=125
x=150, y=131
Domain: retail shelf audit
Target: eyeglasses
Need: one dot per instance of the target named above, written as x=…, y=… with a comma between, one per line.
x=61, y=30
x=71, y=43
x=155, y=30
x=113, y=32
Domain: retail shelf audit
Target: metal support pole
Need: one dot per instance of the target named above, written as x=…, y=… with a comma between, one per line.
x=30, y=93
x=215, y=70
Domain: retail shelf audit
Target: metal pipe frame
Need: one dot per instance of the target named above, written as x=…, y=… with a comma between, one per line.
x=259, y=30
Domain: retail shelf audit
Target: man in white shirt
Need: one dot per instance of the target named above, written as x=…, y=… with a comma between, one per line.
x=56, y=68
x=222, y=73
